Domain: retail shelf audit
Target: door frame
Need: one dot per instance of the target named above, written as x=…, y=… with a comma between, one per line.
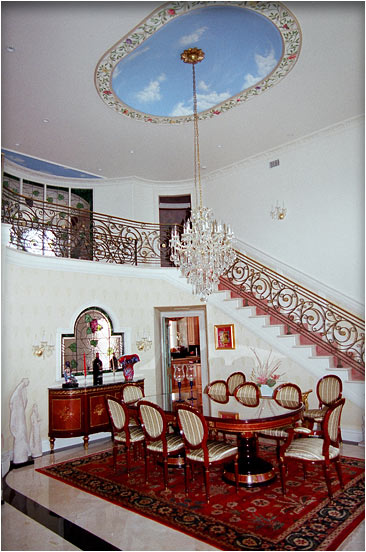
x=161, y=314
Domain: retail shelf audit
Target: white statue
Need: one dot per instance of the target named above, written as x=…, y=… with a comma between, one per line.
x=35, y=440
x=18, y=425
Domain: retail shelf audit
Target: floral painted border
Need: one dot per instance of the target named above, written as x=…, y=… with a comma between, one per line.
x=276, y=12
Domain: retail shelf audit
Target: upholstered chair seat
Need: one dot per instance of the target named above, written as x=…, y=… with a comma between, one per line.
x=136, y=434
x=173, y=444
x=216, y=451
x=310, y=449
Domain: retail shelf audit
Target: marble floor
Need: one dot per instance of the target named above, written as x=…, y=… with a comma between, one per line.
x=44, y=514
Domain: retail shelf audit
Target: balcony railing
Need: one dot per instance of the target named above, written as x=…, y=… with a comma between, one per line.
x=61, y=231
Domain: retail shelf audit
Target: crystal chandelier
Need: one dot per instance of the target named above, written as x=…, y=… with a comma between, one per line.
x=204, y=251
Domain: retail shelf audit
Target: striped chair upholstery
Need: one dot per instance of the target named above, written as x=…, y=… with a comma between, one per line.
x=235, y=379
x=157, y=439
x=310, y=449
x=122, y=432
x=248, y=393
x=132, y=393
x=289, y=396
x=328, y=390
x=199, y=448
x=218, y=391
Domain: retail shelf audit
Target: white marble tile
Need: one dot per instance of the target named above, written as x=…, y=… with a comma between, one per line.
x=32, y=535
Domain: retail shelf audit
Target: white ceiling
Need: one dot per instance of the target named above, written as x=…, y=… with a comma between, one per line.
x=51, y=75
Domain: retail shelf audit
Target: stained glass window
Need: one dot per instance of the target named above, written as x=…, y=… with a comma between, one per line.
x=93, y=332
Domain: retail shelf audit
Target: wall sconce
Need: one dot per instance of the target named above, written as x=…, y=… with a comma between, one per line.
x=143, y=342
x=44, y=349
x=278, y=213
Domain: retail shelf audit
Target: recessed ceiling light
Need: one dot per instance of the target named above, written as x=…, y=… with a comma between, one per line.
x=45, y=120
x=17, y=144
x=100, y=170
x=220, y=146
x=132, y=151
x=10, y=48
x=203, y=166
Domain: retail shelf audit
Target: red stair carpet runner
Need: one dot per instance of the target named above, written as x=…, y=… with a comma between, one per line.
x=254, y=519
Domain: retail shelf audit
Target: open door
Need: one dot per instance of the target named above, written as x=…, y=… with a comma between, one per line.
x=184, y=343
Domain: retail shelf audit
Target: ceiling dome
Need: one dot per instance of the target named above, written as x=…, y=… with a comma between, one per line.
x=249, y=47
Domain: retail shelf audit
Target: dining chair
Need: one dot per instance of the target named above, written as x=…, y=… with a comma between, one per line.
x=199, y=449
x=309, y=448
x=248, y=393
x=235, y=379
x=328, y=390
x=122, y=432
x=289, y=396
x=158, y=440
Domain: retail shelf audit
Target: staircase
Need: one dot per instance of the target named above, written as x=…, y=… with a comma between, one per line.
x=298, y=347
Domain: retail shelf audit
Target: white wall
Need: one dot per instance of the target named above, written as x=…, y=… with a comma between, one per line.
x=321, y=180
x=49, y=293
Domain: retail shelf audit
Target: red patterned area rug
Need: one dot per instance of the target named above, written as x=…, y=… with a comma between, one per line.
x=254, y=519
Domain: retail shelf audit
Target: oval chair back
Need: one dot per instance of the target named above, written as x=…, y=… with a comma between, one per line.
x=329, y=390
x=288, y=395
x=118, y=415
x=332, y=424
x=248, y=394
x=218, y=391
x=235, y=379
x=132, y=393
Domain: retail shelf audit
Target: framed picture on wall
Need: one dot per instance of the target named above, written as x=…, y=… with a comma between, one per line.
x=224, y=336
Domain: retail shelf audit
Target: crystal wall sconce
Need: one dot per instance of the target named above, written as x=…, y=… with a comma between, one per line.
x=144, y=342
x=44, y=349
x=278, y=213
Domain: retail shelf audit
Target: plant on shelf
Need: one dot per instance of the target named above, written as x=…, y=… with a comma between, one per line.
x=265, y=371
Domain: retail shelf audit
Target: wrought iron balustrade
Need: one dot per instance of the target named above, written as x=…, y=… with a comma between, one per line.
x=338, y=332
x=60, y=231
x=51, y=229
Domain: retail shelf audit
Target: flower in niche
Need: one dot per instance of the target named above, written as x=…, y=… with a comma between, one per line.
x=265, y=372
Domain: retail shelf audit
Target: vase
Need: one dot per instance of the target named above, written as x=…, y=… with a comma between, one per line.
x=128, y=372
x=266, y=390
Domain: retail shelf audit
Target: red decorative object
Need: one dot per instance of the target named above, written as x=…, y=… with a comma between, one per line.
x=84, y=366
x=127, y=362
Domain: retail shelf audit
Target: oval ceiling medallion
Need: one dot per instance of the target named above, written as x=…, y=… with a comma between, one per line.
x=249, y=47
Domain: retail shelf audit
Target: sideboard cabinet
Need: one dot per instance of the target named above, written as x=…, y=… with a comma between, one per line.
x=81, y=411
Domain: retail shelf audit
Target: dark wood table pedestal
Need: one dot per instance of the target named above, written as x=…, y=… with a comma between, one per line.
x=253, y=470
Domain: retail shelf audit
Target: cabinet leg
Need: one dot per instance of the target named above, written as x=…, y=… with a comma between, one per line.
x=86, y=441
x=52, y=444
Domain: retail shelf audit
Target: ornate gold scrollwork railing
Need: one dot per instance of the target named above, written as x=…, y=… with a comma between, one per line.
x=338, y=332
x=61, y=231
x=57, y=230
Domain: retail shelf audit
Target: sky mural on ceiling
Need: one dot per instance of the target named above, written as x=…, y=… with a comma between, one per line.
x=241, y=48
x=45, y=167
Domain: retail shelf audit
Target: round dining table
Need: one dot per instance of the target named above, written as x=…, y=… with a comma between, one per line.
x=226, y=414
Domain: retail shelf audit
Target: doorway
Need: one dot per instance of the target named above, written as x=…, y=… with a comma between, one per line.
x=183, y=342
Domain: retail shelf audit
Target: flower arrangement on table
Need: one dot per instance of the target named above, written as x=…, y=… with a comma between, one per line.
x=127, y=362
x=265, y=372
